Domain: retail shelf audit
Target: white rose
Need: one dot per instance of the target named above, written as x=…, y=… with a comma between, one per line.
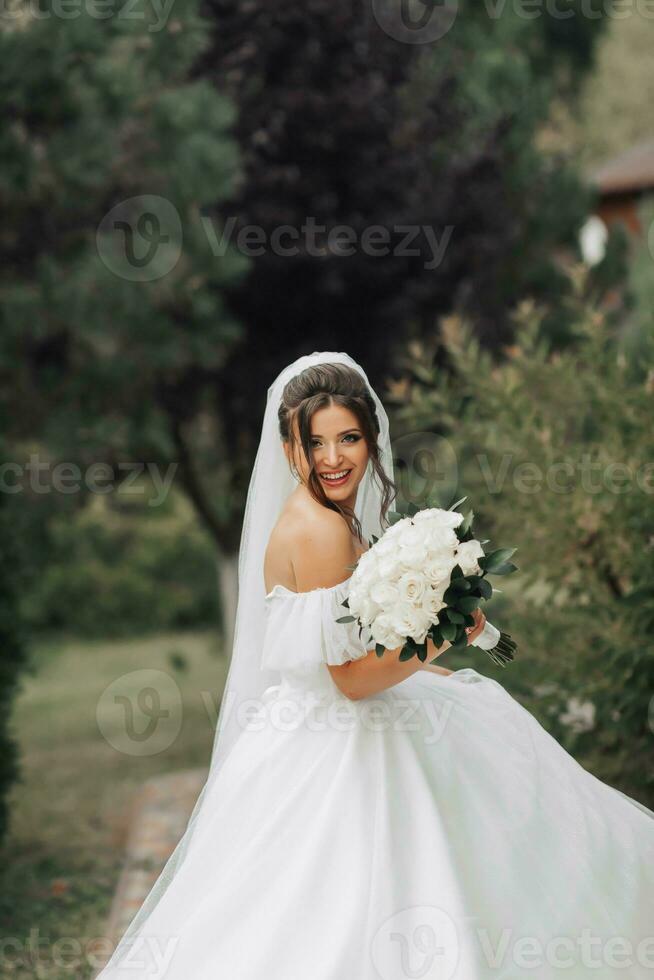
x=411, y=535
x=367, y=610
x=384, y=593
x=410, y=620
x=441, y=538
x=395, y=530
x=390, y=568
x=423, y=515
x=385, y=546
x=414, y=556
x=383, y=632
x=411, y=587
x=444, y=518
x=467, y=554
x=432, y=602
x=438, y=569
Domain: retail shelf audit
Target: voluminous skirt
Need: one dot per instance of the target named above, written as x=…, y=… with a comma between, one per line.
x=435, y=830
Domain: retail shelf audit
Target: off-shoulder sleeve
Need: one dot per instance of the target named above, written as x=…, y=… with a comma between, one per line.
x=301, y=630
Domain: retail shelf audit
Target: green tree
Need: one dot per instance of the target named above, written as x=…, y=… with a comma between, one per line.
x=112, y=324
x=341, y=123
x=554, y=450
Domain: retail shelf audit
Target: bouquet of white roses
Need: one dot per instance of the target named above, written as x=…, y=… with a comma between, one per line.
x=423, y=579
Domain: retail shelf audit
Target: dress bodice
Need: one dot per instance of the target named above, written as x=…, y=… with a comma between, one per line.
x=301, y=633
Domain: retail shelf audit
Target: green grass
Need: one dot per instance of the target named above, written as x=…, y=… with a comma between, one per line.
x=70, y=811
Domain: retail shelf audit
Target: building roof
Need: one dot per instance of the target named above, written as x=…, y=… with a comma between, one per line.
x=631, y=170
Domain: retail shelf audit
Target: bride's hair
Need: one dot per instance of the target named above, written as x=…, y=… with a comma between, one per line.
x=317, y=387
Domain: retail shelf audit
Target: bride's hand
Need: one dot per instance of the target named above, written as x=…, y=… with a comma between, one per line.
x=474, y=631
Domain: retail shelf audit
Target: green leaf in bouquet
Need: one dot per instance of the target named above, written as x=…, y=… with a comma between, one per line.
x=455, y=590
x=421, y=650
x=461, y=641
x=406, y=653
x=505, y=569
x=480, y=586
x=346, y=619
x=375, y=539
x=346, y=602
x=436, y=635
x=449, y=631
x=454, y=615
x=467, y=603
x=457, y=572
x=412, y=509
x=379, y=649
x=468, y=620
x=456, y=503
x=490, y=563
x=394, y=516
x=466, y=523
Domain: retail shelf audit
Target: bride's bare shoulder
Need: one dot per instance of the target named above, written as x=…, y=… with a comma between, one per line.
x=310, y=545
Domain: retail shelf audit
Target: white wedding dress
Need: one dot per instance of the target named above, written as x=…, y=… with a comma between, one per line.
x=435, y=830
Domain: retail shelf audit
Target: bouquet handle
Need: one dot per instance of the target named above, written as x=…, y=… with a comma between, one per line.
x=488, y=638
x=498, y=645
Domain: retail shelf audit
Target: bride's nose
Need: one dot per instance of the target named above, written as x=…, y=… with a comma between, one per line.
x=333, y=455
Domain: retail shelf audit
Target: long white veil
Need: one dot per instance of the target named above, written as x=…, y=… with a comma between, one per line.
x=270, y=484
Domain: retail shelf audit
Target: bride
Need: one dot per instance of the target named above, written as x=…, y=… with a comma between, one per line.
x=366, y=818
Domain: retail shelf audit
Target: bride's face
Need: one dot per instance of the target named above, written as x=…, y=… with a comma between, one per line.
x=338, y=446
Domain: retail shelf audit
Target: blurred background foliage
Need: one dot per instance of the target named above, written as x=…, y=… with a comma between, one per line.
x=556, y=454
x=220, y=116
x=113, y=570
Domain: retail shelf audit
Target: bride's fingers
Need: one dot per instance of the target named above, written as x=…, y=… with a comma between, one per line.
x=480, y=621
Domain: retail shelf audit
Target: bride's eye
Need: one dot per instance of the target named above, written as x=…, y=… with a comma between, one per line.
x=350, y=435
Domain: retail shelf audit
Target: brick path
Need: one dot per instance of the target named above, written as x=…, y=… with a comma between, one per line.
x=161, y=811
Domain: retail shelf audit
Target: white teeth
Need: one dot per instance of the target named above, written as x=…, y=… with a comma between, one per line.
x=334, y=476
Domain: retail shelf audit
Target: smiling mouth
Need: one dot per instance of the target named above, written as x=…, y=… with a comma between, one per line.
x=332, y=481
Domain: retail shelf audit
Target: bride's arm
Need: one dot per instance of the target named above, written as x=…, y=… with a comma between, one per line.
x=437, y=670
x=371, y=674
x=320, y=559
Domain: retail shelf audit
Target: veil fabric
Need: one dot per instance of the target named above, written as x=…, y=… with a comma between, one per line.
x=270, y=484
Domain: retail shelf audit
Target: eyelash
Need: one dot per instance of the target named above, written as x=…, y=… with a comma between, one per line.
x=350, y=435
